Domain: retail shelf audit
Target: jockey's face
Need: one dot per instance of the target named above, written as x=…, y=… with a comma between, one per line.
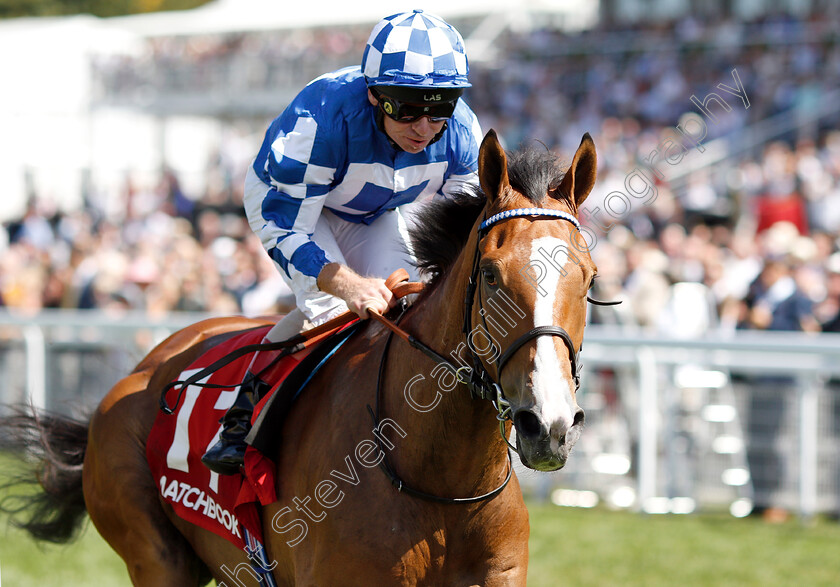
x=411, y=137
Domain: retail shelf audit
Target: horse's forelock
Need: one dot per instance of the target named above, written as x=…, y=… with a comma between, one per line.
x=535, y=172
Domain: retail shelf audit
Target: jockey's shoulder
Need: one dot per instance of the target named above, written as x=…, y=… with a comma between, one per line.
x=341, y=92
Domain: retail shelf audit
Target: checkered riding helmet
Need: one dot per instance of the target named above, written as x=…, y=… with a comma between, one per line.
x=414, y=49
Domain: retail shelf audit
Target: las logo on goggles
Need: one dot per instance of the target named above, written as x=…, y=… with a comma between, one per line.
x=402, y=112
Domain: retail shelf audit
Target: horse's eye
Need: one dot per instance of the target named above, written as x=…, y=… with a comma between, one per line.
x=489, y=278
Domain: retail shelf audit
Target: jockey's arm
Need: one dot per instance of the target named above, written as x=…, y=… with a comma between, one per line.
x=360, y=293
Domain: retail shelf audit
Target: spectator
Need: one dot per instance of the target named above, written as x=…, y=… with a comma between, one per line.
x=828, y=310
x=777, y=303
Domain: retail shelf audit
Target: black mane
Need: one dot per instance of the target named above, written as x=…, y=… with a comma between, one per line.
x=442, y=226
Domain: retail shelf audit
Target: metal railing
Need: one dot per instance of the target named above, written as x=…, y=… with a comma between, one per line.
x=105, y=347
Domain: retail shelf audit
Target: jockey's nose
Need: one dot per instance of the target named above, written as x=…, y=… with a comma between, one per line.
x=422, y=125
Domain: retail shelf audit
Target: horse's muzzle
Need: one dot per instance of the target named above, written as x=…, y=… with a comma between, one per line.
x=543, y=447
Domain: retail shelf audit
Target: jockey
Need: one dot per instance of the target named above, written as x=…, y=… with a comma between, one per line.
x=327, y=191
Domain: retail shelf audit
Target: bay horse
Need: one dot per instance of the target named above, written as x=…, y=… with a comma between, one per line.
x=504, y=309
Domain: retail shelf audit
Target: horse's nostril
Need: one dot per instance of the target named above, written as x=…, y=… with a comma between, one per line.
x=527, y=424
x=579, y=418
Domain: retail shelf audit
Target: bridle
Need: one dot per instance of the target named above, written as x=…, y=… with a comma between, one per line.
x=477, y=378
x=482, y=385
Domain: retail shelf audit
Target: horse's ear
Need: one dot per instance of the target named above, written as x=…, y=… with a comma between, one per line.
x=580, y=177
x=492, y=167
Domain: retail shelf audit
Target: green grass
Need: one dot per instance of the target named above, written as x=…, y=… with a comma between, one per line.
x=598, y=547
x=568, y=547
x=89, y=561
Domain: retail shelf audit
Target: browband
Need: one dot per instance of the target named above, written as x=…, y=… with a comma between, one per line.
x=528, y=212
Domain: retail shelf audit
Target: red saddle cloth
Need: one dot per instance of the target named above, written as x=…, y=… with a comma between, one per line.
x=223, y=504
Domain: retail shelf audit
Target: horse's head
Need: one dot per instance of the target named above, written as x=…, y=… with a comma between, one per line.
x=534, y=273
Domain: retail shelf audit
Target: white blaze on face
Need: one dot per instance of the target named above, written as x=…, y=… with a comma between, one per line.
x=552, y=392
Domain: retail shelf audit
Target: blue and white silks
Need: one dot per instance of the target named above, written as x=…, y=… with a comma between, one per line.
x=325, y=151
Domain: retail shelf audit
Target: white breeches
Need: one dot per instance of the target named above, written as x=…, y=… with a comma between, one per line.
x=374, y=250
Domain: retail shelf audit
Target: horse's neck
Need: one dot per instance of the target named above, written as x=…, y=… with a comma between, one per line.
x=458, y=437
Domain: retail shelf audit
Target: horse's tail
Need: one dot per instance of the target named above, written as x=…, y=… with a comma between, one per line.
x=51, y=449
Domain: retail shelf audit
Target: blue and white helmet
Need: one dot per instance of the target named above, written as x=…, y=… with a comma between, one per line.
x=415, y=49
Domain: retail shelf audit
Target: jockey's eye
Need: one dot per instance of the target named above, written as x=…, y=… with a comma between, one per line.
x=489, y=277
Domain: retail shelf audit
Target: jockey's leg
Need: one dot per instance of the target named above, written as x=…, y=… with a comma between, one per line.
x=314, y=308
x=228, y=454
x=374, y=250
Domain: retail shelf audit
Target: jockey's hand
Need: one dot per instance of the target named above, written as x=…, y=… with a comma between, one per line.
x=360, y=293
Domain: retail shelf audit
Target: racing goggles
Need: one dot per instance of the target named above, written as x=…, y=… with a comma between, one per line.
x=409, y=106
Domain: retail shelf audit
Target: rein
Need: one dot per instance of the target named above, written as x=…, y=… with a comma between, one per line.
x=396, y=283
x=385, y=464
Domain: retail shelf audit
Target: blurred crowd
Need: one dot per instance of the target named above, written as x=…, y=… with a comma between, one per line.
x=752, y=240
x=250, y=62
x=168, y=253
